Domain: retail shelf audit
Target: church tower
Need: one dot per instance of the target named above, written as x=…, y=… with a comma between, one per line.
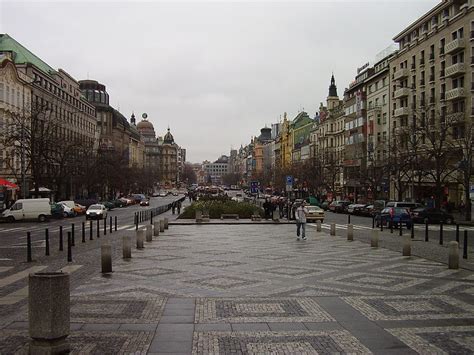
x=332, y=99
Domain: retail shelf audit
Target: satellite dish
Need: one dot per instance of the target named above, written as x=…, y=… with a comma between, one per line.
x=144, y=115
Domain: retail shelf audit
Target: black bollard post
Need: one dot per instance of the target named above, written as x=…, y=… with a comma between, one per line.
x=412, y=230
x=90, y=231
x=61, y=238
x=381, y=224
x=83, y=232
x=69, y=247
x=73, y=243
x=457, y=232
x=400, y=228
x=98, y=228
x=115, y=223
x=111, y=225
x=105, y=226
x=46, y=240
x=426, y=232
x=391, y=225
x=151, y=217
x=373, y=222
x=136, y=222
x=348, y=218
x=441, y=233
x=28, y=247
x=464, y=252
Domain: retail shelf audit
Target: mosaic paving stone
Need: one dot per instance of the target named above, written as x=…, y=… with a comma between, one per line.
x=376, y=281
x=149, y=271
x=295, y=272
x=218, y=252
x=454, y=287
x=219, y=263
x=418, y=269
x=144, y=309
x=250, y=310
x=302, y=342
x=319, y=290
x=273, y=257
x=410, y=307
x=224, y=282
x=115, y=342
x=437, y=340
x=343, y=263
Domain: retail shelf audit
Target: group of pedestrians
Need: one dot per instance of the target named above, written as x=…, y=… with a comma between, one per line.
x=176, y=205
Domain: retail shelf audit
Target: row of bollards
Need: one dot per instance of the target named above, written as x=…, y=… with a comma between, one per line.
x=71, y=241
x=142, y=235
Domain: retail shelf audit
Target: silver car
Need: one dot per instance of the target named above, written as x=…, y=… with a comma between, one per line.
x=96, y=211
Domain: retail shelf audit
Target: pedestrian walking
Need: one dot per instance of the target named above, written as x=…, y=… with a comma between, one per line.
x=173, y=207
x=267, y=208
x=179, y=207
x=301, y=213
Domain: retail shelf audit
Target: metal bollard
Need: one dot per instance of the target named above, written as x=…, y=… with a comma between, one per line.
x=115, y=223
x=464, y=252
x=400, y=229
x=453, y=258
x=69, y=247
x=46, y=240
x=391, y=225
x=90, y=231
x=162, y=226
x=127, y=246
x=73, y=242
x=106, y=258
x=426, y=232
x=156, y=229
x=149, y=233
x=111, y=225
x=374, y=240
x=333, y=229
x=441, y=233
x=457, y=232
x=373, y=222
x=318, y=226
x=98, y=228
x=83, y=232
x=166, y=223
x=105, y=226
x=28, y=247
x=350, y=232
x=412, y=231
x=140, y=238
x=348, y=218
x=61, y=238
x=136, y=221
x=406, y=246
x=151, y=218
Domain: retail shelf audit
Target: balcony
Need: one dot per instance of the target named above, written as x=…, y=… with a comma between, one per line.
x=455, y=117
x=377, y=107
x=400, y=74
x=401, y=93
x=455, y=69
x=402, y=111
x=455, y=94
x=455, y=45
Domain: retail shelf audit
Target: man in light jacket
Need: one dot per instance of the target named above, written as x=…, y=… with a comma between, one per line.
x=301, y=213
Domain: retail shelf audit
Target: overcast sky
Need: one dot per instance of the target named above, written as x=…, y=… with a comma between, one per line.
x=215, y=72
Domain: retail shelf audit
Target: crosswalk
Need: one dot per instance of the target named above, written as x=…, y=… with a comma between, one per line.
x=22, y=293
x=432, y=227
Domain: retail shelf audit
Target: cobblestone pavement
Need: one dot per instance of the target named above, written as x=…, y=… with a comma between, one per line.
x=253, y=289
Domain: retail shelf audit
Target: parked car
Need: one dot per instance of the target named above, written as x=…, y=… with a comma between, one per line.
x=395, y=215
x=57, y=210
x=409, y=205
x=119, y=203
x=339, y=206
x=80, y=209
x=97, y=211
x=325, y=205
x=109, y=205
x=31, y=208
x=163, y=194
x=145, y=203
x=431, y=215
x=315, y=213
x=355, y=208
x=126, y=201
x=68, y=211
x=368, y=211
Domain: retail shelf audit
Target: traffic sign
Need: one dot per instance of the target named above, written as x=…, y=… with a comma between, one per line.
x=254, y=187
x=289, y=180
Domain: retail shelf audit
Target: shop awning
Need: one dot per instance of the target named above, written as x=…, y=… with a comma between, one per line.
x=7, y=183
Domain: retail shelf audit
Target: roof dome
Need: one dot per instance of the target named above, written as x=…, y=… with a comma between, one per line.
x=168, y=138
x=145, y=124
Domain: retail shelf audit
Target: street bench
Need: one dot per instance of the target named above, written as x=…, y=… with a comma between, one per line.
x=256, y=217
x=229, y=215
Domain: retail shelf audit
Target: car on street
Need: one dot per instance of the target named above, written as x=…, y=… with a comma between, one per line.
x=355, y=208
x=325, y=205
x=97, y=211
x=80, y=209
x=404, y=204
x=68, y=211
x=145, y=203
x=339, y=206
x=431, y=215
x=394, y=216
x=109, y=205
x=163, y=194
x=57, y=210
x=315, y=213
x=28, y=209
x=368, y=211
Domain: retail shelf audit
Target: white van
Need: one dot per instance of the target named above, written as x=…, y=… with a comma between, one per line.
x=35, y=208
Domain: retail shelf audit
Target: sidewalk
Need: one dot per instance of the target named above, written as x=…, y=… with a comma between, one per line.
x=254, y=289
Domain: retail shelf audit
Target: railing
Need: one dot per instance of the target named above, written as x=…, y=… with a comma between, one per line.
x=402, y=73
x=401, y=93
x=455, y=69
x=402, y=111
x=455, y=45
x=455, y=93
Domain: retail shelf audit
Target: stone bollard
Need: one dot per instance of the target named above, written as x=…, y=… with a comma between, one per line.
x=374, y=241
x=162, y=225
x=198, y=216
x=453, y=260
x=140, y=238
x=149, y=233
x=350, y=232
x=127, y=247
x=156, y=228
x=333, y=228
x=406, y=246
x=166, y=223
x=49, y=312
x=318, y=226
x=106, y=258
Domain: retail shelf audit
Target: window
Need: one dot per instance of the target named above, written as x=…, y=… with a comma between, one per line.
x=2, y=91
x=384, y=121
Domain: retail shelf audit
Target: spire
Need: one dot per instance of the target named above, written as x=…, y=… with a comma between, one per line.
x=332, y=87
x=132, y=119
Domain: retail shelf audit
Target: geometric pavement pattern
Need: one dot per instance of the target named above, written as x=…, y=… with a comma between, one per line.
x=235, y=310
x=301, y=342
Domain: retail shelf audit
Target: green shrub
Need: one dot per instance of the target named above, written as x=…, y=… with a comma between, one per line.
x=216, y=208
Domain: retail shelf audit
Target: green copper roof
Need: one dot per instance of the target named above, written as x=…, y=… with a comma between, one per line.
x=22, y=55
x=302, y=119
